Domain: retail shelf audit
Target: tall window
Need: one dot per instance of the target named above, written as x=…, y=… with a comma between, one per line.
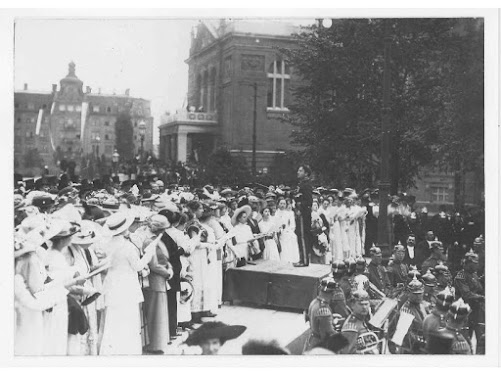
x=278, y=85
x=212, y=91
x=440, y=194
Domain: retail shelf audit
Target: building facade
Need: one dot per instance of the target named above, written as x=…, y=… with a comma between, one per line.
x=237, y=77
x=72, y=123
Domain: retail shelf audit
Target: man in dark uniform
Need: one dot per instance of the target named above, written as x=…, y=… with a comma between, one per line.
x=339, y=275
x=456, y=320
x=397, y=268
x=413, y=342
x=377, y=273
x=437, y=255
x=430, y=293
x=423, y=249
x=436, y=319
x=371, y=221
x=304, y=200
x=469, y=288
x=361, y=338
x=319, y=315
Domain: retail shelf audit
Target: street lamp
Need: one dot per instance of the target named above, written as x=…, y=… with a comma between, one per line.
x=142, y=132
x=115, y=157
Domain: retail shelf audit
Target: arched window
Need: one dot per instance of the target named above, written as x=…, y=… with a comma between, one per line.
x=278, y=85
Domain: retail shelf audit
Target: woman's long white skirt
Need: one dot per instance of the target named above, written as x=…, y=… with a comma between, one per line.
x=289, y=246
x=122, y=330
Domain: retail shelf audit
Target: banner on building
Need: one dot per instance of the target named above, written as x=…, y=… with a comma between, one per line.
x=50, y=127
x=39, y=122
x=85, y=106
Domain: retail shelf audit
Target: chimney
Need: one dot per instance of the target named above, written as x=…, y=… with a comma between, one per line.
x=25, y=87
x=54, y=88
x=88, y=90
x=127, y=92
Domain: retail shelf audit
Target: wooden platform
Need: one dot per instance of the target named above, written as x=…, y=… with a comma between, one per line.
x=275, y=284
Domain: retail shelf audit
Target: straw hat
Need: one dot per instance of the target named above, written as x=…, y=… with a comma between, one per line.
x=67, y=228
x=25, y=242
x=245, y=208
x=119, y=222
x=90, y=232
x=158, y=222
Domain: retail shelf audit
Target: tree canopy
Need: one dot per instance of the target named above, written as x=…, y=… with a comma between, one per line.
x=337, y=108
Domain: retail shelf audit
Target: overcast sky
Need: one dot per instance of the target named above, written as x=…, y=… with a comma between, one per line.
x=146, y=56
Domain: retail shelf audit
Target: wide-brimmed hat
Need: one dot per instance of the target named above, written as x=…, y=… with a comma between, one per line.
x=164, y=204
x=119, y=222
x=67, y=228
x=245, y=208
x=90, y=232
x=25, y=242
x=214, y=329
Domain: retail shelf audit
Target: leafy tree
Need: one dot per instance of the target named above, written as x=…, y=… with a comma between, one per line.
x=124, y=134
x=338, y=108
x=283, y=168
x=222, y=168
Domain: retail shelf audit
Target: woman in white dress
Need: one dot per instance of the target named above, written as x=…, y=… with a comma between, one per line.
x=242, y=233
x=268, y=226
x=335, y=235
x=288, y=239
x=59, y=269
x=122, y=291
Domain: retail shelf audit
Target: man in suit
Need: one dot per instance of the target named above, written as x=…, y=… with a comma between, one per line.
x=423, y=249
x=304, y=201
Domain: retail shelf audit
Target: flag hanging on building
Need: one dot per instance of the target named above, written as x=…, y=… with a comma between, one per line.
x=39, y=122
x=50, y=127
x=85, y=106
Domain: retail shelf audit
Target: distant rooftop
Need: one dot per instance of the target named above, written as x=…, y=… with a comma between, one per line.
x=262, y=27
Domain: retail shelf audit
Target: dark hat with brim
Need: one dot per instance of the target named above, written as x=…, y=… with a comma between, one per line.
x=440, y=342
x=212, y=330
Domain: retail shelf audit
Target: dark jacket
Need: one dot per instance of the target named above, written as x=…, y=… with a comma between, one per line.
x=175, y=260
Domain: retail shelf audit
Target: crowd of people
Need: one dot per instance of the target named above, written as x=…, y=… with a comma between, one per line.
x=125, y=268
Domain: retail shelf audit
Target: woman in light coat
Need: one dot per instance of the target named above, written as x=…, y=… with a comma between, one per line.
x=122, y=291
x=288, y=239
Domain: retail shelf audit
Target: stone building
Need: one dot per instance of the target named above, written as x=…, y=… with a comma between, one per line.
x=234, y=67
x=73, y=123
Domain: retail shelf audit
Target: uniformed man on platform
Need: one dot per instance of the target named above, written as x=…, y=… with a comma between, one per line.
x=436, y=319
x=319, y=315
x=456, y=320
x=304, y=201
x=361, y=338
x=469, y=288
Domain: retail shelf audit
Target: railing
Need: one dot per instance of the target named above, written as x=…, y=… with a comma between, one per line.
x=196, y=117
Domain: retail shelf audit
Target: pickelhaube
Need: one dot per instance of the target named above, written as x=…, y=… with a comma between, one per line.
x=471, y=256
x=351, y=264
x=413, y=272
x=328, y=284
x=445, y=297
x=441, y=267
x=338, y=267
x=375, y=250
x=459, y=309
x=429, y=279
x=477, y=241
x=398, y=247
x=415, y=286
x=360, y=261
x=360, y=295
x=436, y=244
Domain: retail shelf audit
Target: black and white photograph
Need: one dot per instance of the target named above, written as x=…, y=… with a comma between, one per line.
x=321, y=184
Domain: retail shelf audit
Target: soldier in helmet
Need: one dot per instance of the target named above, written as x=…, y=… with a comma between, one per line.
x=456, y=320
x=397, y=268
x=339, y=275
x=436, y=319
x=351, y=267
x=469, y=288
x=361, y=266
x=413, y=342
x=437, y=255
x=377, y=273
x=479, y=249
x=361, y=338
x=444, y=277
x=320, y=315
x=430, y=284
